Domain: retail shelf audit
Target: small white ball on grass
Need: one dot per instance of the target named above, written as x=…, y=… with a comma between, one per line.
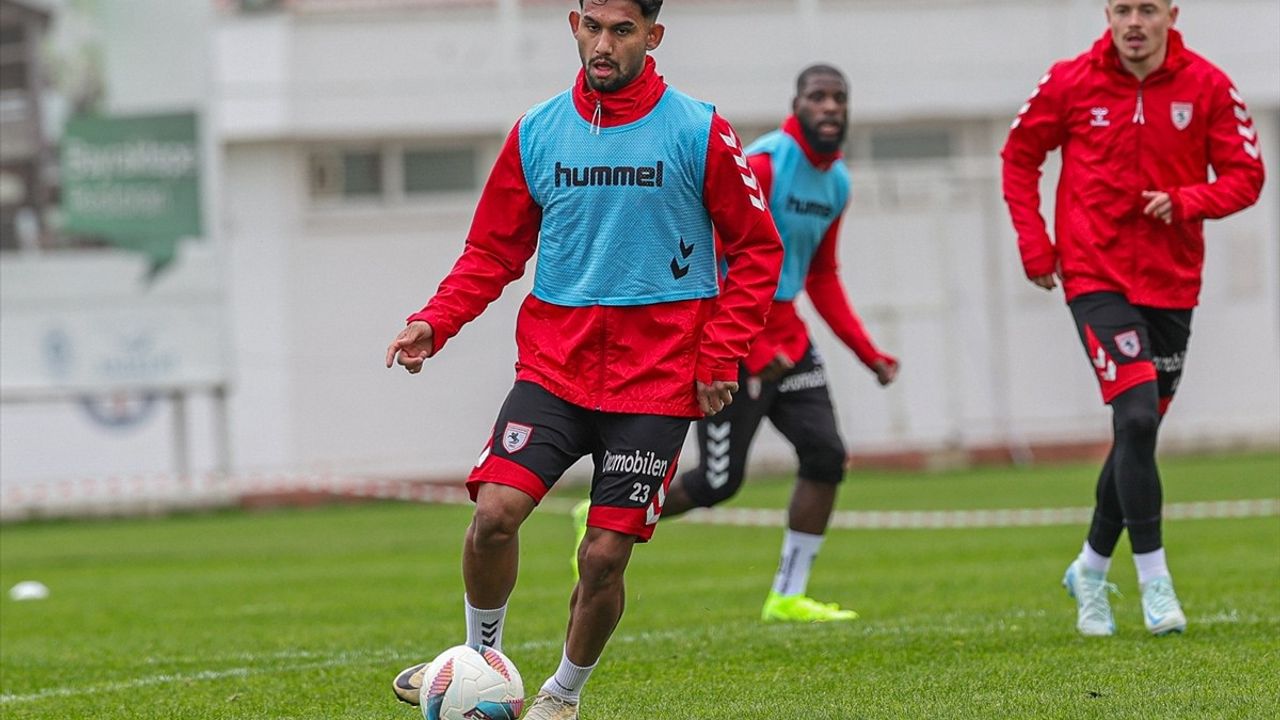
x=29, y=590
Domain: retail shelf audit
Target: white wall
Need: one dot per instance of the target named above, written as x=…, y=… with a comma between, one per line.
x=315, y=292
x=465, y=70
x=154, y=58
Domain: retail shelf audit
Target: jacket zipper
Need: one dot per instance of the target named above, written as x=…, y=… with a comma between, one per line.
x=1139, y=116
x=1139, y=119
x=596, y=117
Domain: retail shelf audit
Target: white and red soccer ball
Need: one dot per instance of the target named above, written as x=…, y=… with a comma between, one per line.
x=472, y=682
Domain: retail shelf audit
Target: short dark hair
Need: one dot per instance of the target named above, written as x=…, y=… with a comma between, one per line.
x=648, y=8
x=818, y=69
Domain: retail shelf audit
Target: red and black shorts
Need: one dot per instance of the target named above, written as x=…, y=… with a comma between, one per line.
x=1131, y=344
x=538, y=436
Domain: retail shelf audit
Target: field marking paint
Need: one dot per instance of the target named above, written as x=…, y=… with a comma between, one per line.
x=950, y=624
x=340, y=660
x=1003, y=518
x=64, y=692
x=170, y=678
x=165, y=491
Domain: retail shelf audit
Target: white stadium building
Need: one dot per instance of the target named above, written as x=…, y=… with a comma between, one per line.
x=344, y=143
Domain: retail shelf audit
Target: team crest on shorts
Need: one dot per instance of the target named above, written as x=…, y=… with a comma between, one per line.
x=515, y=437
x=1128, y=343
x=1181, y=114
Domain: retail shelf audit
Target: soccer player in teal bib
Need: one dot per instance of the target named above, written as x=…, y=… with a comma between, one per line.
x=618, y=184
x=801, y=169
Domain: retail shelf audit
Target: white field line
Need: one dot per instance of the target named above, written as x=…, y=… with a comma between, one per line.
x=341, y=660
x=1014, y=517
x=168, y=491
x=952, y=625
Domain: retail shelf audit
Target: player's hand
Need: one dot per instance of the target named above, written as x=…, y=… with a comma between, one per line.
x=714, y=397
x=777, y=367
x=1048, y=282
x=412, y=346
x=1159, y=206
x=886, y=370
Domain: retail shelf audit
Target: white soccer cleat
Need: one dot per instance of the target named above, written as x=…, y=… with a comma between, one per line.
x=1161, y=610
x=408, y=684
x=1093, y=604
x=549, y=707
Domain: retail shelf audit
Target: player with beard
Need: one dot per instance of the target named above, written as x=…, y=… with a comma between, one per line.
x=1140, y=119
x=800, y=168
x=617, y=184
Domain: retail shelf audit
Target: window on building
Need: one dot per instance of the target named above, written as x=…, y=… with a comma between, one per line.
x=13, y=75
x=435, y=171
x=323, y=175
x=391, y=171
x=362, y=173
x=891, y=145
x=335, y=173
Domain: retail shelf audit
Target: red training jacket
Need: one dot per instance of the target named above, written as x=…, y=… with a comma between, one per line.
x=784, y=330
x=638, y=359
x=1120, y=137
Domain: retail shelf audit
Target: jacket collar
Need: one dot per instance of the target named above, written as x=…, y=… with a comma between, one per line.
x=623, y=106
x=1105, y=56
x=822, y=161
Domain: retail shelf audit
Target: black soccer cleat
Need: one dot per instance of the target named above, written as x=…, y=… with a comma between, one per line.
x=408, y=684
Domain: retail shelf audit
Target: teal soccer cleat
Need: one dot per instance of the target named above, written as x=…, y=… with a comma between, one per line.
x=1093, y=604
x=1161, y=610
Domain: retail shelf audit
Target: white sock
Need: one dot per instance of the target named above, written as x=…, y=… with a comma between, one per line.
x=567, y=683
x=1094, y=561
x=1150, y=565
x=798, y=551
x=484, y=627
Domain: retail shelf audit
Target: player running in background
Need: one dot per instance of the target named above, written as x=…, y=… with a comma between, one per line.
x=1139, y=119
x=801, y=171
x=626, y=336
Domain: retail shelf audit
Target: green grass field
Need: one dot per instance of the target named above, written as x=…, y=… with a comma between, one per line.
x=310, y=613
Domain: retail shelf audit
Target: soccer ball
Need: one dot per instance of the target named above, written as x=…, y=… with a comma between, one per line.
x=472, y=682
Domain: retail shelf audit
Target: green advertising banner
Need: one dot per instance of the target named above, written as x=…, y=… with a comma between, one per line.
x=133, y=181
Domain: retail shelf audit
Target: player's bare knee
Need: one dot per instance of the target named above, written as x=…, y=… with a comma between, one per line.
x=602, y=561
x=494, y=525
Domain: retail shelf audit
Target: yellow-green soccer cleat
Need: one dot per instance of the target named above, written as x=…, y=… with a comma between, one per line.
x=579, y=531
x=800, y=608
x=408, y=684
x=549, y=707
